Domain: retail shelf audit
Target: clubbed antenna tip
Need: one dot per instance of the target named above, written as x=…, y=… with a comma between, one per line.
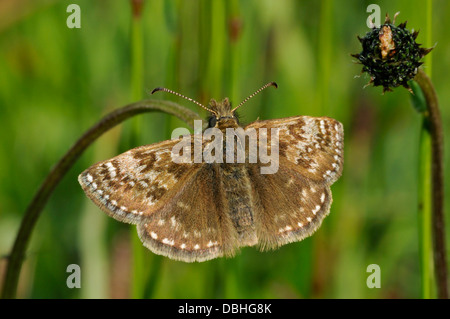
x=157, y=89
x=248, y=98
x=182, y=96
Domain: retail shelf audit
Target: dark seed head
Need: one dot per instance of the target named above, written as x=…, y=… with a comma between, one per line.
x=390, y=55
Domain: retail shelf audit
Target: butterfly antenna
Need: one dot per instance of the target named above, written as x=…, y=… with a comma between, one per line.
x=248, y=98
x=184, y=97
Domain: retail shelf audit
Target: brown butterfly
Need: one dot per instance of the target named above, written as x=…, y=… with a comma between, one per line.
x=193, y=210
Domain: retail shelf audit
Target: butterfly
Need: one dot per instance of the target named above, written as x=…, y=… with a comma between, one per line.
x=196, y=210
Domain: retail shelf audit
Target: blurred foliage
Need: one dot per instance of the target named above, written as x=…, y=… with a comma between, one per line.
x=56, y=82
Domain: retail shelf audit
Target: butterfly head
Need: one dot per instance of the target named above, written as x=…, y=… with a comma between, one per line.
x=221, y=114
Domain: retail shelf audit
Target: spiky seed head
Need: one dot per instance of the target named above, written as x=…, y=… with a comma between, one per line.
x=390, y=55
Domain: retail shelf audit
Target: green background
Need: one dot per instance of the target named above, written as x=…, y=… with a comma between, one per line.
x=56, y=82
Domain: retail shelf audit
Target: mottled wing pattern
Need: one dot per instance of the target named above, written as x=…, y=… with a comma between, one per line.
x=314, y=146
x=130, y=186
x=290, y=204
x=144, y=186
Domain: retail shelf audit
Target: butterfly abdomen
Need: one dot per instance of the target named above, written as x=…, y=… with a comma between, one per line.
x=238, y=201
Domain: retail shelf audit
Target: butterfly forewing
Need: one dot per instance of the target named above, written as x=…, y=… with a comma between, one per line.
x=312, y=146
x=131, y=186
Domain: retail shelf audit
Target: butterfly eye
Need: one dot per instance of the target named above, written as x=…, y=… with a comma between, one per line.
x=212, y=121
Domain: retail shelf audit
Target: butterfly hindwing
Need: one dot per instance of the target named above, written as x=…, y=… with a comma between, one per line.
x=193, y=225
x=286, y=206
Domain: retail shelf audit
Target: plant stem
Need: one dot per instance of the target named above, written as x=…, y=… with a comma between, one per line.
x=137, y=52
x=136, y=79
x=325, y=50
x=433, y=125
x=425, y=213
x=62, y=167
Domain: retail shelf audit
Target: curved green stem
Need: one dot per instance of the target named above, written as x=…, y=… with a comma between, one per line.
x=138, y=282
x=61, y=168
x=433, y=126
x=425, y=214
